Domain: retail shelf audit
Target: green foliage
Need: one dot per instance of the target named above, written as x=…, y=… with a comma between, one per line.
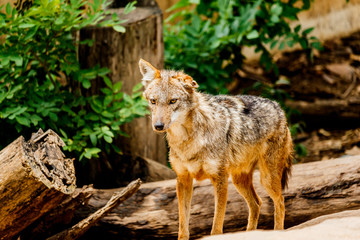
x=206, y=37
x=43, y=85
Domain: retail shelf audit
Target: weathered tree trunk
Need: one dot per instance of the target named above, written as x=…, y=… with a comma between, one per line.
x=120, y=52
x=34, y=178
x=315, y=189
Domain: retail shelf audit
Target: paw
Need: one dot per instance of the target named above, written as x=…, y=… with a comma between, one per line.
x=183, y=236
x=216, y=232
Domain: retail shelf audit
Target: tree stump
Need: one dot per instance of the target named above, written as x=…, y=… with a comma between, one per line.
x=120, y=52
x=34, y=178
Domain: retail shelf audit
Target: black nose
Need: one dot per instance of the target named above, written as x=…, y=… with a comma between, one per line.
x=159, y=126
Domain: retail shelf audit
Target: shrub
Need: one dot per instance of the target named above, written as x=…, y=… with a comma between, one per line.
x=205, y=38
x=42, y=83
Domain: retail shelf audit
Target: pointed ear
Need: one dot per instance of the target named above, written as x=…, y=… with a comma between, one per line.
x=148, y=71
x=187, y=82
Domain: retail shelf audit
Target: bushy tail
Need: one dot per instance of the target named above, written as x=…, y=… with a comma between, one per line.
x=288, y=162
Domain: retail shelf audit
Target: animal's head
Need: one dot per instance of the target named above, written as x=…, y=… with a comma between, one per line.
x=169, y=94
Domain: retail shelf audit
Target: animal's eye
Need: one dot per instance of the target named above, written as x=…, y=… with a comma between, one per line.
x=172, y=101
x=152, y=101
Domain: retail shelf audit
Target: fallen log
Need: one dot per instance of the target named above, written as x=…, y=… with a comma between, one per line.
x=59, y=217
x=315, y=189
x=325, y=108
x=79, y=229
x=34, y=178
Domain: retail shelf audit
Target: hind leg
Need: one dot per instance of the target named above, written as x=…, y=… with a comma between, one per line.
x=244, y=185
x=271, y=180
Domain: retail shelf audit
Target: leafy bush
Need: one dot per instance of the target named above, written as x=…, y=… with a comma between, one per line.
x=205, y=38
x=43, y=85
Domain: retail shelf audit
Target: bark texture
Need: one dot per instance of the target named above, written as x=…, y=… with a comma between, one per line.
x=315, y=189
x=34, y=178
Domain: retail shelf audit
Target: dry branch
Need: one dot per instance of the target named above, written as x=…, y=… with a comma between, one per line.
x=315, y=189
x=34, y=178
x=79, y=229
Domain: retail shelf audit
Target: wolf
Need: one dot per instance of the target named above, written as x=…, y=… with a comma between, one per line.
x=213, y=137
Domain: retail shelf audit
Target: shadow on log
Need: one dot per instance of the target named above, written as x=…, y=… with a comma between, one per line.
x=315, y=189
x=34, y=178
x=59, y=217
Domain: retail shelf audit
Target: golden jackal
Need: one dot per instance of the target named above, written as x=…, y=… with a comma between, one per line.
x=215, y=136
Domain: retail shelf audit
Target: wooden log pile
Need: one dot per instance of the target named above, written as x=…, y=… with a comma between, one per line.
x=315, y=189
x=34, y=178
x=38, y=194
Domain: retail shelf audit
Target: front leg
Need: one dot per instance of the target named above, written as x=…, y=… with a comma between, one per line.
x=184, y=188
x=220, y=183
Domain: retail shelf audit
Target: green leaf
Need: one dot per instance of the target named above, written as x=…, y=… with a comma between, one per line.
x=307, y=31
x=117, y=87
x=53, y=116
x=8, y=9
x=63, y=133
x=276, y=9
x=106, y=91
x=107, y=114
x=273, y=44
x=108, y=100
x=282, y=45
x=23, y=121
x=30, y=33
x=128, y=99
x=35, y=119
x=125, y=113
x=86, y=84
x=108, y=82
x=129, y=7
x=119, y=96
x=116, y=149
x=137, y=87
x=18, y=60
x=195, y=1
x=316, y=45
x=119, y=28
x=252, y=35
x=108, y=139
x=274, y=19
x=26, y=25
x=93, y=139
x=179, y=4
x=303, y=43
